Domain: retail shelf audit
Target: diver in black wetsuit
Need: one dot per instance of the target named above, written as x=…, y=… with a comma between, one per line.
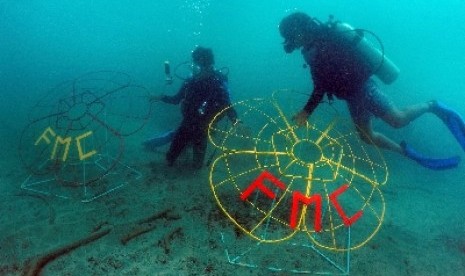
x=202, y=96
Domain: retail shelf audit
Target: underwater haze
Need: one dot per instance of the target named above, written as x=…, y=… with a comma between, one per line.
x=45, y=43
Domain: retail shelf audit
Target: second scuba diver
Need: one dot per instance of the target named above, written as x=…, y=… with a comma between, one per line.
x=342, y=64
x=201, y=96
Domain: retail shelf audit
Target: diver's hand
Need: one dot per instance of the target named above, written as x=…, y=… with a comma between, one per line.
x=156, y=98
x=300, y=118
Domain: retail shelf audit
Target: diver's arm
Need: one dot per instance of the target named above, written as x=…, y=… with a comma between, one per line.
x=225, y=100
x=315, y=99
x=176, y=99
x=232, y=114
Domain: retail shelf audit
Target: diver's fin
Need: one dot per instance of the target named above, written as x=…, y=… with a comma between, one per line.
x=430, y=163
x=159, y=140
x=452, y=120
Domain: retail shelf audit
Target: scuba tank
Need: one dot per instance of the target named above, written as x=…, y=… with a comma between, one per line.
x=381, y=66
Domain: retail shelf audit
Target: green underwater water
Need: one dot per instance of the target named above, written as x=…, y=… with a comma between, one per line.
x=47, y=44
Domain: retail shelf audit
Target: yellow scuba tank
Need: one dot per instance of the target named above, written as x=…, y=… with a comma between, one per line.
x=382, y=66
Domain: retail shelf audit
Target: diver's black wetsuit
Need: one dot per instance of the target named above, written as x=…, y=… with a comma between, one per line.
x=202, y=98
x=336, y=67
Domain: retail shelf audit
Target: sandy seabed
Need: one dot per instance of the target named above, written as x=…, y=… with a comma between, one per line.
x=168, y=223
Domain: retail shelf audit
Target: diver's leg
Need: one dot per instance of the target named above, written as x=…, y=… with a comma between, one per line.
x=179, y=143
x=369, y=136
x=368, y=103
x=401, y=117
x=379, y=105
x=199, y=150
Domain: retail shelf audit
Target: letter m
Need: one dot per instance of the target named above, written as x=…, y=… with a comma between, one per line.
x=298, y=197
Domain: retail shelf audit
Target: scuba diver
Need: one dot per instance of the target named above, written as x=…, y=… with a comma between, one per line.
x=342, y=64
x=202, y=96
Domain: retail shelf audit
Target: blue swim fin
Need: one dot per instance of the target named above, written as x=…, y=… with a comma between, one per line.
x=430, y=163
x=452, y=120
x=159, y=140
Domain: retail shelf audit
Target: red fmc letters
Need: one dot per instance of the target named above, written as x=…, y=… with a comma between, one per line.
x=298, y=197
x=258, y=184
x=333, y=198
